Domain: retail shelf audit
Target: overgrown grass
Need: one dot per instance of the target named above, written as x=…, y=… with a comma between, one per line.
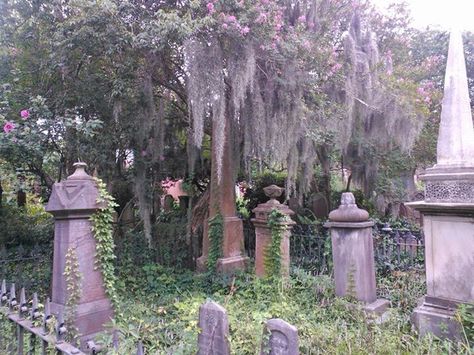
x=164, y=314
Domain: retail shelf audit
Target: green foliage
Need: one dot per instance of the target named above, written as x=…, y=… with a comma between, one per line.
x=103, y=233
x=26, y=227
x=465, y=315
x=216, y=235
x=272, y=254
x=73, y=279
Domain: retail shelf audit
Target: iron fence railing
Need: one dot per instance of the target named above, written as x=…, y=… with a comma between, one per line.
x=310, y=247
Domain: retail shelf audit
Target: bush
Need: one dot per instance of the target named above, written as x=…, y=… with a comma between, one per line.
x=25, y=226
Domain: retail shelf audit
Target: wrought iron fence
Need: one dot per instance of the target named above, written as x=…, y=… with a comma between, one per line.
x=310, y=248
x=45, y=331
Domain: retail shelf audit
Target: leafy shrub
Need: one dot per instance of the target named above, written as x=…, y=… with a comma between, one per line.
x=27, y=227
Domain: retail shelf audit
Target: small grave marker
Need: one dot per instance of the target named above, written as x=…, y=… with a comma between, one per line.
x=214, y=324
x=283, y=339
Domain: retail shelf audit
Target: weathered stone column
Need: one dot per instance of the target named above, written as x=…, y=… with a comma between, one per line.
x=222, y=200
x=72, y=202
x=448, y=208
x=263, y=237
x=353, y=254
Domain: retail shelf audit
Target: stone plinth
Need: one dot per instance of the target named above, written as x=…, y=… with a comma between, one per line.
x=72, y=202
x=263, y=237
x=353, y=254
x=449, y=260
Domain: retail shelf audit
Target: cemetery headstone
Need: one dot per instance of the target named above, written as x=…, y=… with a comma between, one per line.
x=263, y=235
x=353, y=254
x=214, y=324
x=280, y=338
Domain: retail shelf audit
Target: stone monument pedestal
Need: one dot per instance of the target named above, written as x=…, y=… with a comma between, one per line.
x=449, y=258
x=353, y=255
x=448, y=207
x=232, y=247
x=263, y=236
x=72, y=202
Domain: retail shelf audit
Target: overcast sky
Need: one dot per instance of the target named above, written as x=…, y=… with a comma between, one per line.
x=442, y=13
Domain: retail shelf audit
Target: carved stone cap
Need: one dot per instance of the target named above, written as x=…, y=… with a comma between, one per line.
x=80, y=172
x=348, y=210
x=273, y=191
x=75, y=195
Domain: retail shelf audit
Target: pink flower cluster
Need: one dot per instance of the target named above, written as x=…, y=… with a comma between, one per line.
x=8, y=127
x=425, y=91
x=231, y=22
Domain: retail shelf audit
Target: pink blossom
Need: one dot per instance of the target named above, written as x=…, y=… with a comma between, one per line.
x=244, y=30
x=311, y=25
x=25, y=114
x=210, y=7
x=265, y=2
x=230, y=18
x=8, y=127
x=225, y=26
x=302, y=19
x=262, y=17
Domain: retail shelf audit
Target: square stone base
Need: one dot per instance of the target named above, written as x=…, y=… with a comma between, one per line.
x=232, y=264
x=437, y=317
x=377, y=311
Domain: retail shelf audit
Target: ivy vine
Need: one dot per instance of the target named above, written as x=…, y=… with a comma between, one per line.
x=73, y=279
x=216, y=235
x=102, y=228
x=272, y=256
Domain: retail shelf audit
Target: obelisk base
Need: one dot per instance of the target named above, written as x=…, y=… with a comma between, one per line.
x=437, y=316
x=232, y=247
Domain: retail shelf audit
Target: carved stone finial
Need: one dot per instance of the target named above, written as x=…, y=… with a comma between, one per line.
x=348, y=210
x=80, y=172
x=273, y=191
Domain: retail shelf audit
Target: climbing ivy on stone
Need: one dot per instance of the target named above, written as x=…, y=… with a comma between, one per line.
x=272, y=260
x=73, y=285
x=102, y=230
x=216, y=233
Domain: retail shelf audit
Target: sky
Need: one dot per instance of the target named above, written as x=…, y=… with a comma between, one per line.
x=440, y=13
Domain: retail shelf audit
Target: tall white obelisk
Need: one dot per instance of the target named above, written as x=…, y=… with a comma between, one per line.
x=448, y=208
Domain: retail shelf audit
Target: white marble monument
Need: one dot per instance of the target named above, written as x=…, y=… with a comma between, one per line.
x=448, y=208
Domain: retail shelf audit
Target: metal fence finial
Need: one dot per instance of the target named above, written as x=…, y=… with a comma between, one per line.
x=34, y=314
x=61, y=329
x=23, y=308
x=46, y=317
x=3, y=293
x=12, y=302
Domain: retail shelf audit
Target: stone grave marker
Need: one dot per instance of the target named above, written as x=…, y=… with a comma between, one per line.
x=214, y=324
x=282, y=338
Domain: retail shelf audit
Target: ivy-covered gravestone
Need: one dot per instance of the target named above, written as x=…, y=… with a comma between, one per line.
x=272, y=235
x=78, y=289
